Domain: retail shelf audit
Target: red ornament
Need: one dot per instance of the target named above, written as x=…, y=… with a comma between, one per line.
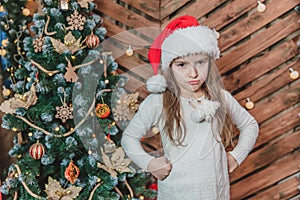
x=92, y=41
x=37, y=151
x=72, y=172
x=102, y=110
x=153, y=186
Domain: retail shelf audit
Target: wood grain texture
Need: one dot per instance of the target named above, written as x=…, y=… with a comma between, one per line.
x=258, y=49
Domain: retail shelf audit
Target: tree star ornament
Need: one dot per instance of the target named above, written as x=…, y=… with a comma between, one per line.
x=54, y=191
x=72, y=172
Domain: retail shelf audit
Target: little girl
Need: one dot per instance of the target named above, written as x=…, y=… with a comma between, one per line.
x=194, y=115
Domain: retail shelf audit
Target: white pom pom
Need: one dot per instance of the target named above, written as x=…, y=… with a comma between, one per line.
x=198, y=115
x=156, y=84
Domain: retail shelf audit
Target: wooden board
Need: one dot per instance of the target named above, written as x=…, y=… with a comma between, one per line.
x=258, y=49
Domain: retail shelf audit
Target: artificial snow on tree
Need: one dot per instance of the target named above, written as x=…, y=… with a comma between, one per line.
x=63, y=92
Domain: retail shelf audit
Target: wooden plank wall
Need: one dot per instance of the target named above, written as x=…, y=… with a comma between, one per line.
x=258, y=48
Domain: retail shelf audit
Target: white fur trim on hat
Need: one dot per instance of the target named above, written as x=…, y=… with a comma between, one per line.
x=156, y=84
x=190, y=40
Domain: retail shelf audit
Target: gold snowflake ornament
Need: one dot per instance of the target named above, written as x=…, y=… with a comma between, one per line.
x=38, y=44
x=76, y=21
x=54, y=191
x=64, y=112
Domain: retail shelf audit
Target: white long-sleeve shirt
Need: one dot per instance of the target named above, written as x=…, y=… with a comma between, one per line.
x=199, y=169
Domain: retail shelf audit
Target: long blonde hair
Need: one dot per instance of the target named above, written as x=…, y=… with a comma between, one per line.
x=174, y=125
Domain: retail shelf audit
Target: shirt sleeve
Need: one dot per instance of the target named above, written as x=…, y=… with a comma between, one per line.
x=147, y=116
x=247, y=126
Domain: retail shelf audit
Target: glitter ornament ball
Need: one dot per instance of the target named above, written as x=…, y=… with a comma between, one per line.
x=92, y=41
x=37, y=151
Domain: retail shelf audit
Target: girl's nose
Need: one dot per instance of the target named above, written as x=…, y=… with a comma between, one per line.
x=193, y=72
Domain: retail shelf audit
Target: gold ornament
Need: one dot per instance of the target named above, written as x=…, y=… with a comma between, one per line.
x=293, y=73
x=260, y=6
x=25, y=101
x=71, y=75
x=126, y=107
x=26, y=12
x=38, y=44
x=84, y=3
x=117, y=163
x=217, y=34
x=64, y=112
x=60, y=47
x=129, y=51
x=33, y=7
x=155, y=130
x=6, y=92
x=5, y=42
x=2, y=51
x=76, y=21
x=69, y=39
x=249, y=104
x=54, y=191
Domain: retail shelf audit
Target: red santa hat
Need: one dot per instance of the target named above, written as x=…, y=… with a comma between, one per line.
x=181, y=37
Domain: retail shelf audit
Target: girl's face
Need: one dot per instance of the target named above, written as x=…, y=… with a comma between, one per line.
x=190, y=72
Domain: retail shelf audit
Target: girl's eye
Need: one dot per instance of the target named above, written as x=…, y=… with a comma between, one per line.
x=180, y=64
x=201, y=62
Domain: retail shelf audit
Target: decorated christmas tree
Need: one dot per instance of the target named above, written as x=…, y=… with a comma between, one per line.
x=64, y=103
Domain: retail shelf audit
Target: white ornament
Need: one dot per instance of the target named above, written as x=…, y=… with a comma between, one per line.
x=261, y=7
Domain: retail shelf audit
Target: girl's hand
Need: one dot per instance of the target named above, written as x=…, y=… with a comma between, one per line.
x=160, y=167
x=232, y=163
